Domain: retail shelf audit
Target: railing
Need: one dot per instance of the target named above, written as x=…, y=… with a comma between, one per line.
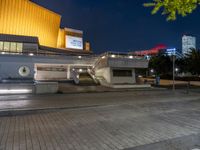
x=179, y=55
x=75, y=77
x=120, y=55
x=47, y=54
x=93, y=76
x=117, y=55
x=102, y=80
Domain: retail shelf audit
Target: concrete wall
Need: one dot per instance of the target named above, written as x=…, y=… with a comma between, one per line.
x=73, y=60
x=11, y=70
x=46, y=88
x=30, y=47
x=51, y=75
x=37, y=88
x=10, y=64
x=105, y=73
x=127, y=63
x=16, y=88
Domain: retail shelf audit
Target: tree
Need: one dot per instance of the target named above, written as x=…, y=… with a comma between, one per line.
x=161, y=64
x=182, y=65
x=172, y=8
x=192, y=61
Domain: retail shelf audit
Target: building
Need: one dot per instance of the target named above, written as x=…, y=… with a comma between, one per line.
x=34, y=48
x=25, y=18
x=188, y=43
x=151, y=52
x=158, y=49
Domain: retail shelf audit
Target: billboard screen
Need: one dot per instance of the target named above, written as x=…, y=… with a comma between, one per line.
x=74, y=42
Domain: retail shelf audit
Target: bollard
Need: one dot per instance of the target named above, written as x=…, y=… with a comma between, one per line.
x=188, y=87
x=157, y=80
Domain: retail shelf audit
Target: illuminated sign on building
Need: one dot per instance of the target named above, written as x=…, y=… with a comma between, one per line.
x=171, y=51
x=74, y=42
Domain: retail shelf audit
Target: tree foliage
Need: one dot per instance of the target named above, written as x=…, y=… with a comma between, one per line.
x=192, y=62
x=172, y=8
x=162, y=64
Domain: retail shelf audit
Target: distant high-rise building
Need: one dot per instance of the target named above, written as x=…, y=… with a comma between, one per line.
x=188, y=42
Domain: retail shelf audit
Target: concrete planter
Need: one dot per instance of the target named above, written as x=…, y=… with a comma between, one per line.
x=46, y=87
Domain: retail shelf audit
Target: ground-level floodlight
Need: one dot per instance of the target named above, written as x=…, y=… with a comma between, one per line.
x=31, y=54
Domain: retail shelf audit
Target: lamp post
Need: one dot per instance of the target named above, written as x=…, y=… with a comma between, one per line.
x=172, y=52
x=173, y=72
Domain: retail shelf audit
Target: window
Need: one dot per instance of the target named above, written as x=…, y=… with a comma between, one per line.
x=19, y=47
x=13, y=47
x=6, y=46
x=122, y=73
x=1, y=46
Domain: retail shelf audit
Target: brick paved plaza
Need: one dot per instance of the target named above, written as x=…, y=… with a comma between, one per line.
x=105, y=121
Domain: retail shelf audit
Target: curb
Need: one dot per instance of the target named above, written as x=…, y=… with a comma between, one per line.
x=90, y=91
x=29, y=111
x=120, y=90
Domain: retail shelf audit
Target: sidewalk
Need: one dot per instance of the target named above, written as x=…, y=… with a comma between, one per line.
x=164, y=82
x=28, y=103
x=133, y=120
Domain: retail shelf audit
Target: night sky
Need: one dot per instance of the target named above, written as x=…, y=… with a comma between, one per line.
x=122, y=25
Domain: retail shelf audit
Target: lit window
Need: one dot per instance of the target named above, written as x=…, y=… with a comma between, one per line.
x=6, y=46
x=19, y=47
x=13, y=47
x=1, y=46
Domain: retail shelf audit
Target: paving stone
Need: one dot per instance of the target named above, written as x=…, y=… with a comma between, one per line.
x=116, y=125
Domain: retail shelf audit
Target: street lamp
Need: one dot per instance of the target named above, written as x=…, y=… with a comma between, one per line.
x=174, y=59
x=176, y=69
x=172, y=52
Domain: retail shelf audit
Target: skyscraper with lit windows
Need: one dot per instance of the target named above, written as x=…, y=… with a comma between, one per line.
x=188, y=43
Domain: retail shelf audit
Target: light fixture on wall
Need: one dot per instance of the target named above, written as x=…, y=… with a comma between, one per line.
x=103, y=57
x=113, y=56
x=31, y=54
x=80, y=70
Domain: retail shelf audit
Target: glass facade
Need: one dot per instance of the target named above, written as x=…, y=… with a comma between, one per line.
x=6, y=46
x=1, y=46
x=11, y=47
x=122, y=73
x=19, y=47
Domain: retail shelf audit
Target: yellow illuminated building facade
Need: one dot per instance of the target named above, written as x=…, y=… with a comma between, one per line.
x=23, y=17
